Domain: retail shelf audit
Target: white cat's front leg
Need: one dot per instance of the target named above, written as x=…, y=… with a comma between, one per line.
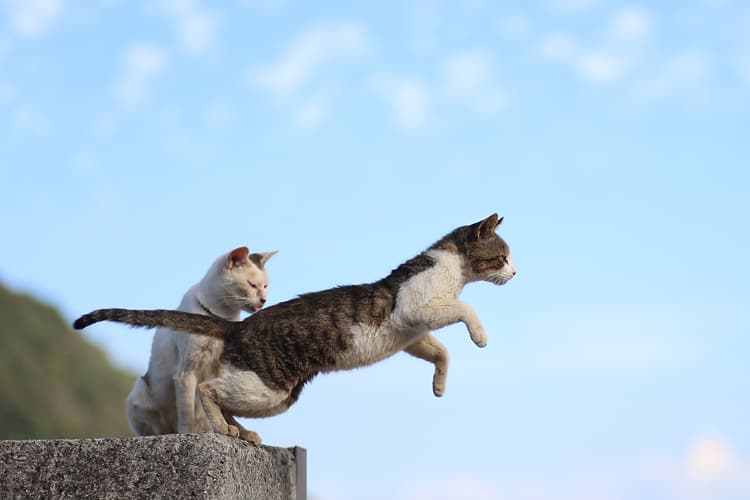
x=185, y=384
x=443, y=312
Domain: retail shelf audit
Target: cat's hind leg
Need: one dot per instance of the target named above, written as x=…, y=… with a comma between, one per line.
x=430, y=349
x=242, y=393
x=143, y=415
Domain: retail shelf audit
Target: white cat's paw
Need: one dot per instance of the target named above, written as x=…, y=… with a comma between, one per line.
x=232, y=431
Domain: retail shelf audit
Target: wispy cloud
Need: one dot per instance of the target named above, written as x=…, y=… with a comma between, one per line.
x=572, y=6
x=324, y=45
x=7, y=92
x=558, y=47
x=308, y=63
x=264, y=5
x=681, y=75
x=31, y=121
x=142, y=63
x=630, y=25
x=196, y=25
x=602, y=66
x=469, y=77
x=311, y=112
x=407, y=97
x=710, y=468
x=611, y=57
x=514, y=25
x=32, y=18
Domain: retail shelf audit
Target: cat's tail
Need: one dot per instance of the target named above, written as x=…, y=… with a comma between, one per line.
x=176, y=320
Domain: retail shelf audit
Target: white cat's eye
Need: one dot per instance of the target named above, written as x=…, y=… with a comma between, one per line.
x=252, y=284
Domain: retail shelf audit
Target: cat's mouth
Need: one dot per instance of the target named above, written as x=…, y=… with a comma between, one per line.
x=499, y=279
x=252, y=308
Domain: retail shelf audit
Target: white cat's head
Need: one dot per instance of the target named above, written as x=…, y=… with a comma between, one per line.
x=244, y=279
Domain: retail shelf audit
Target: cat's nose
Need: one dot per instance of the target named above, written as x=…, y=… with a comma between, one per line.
x=263, y=299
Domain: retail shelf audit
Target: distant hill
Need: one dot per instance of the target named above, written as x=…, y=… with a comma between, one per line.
x=54, y=383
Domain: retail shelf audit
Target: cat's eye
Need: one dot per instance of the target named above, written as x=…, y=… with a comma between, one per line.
x=505, y=259
x=252, y=284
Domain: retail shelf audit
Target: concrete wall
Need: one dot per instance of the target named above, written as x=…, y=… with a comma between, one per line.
x=201, y=466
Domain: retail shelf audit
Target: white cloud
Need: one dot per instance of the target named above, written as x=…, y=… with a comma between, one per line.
x=679, y=76
x=572, y=6
x=469, y=77
x=630, y=24
x=219, y=113
x=514, y=25
x=613, y=58
x=5, y=46
x=710, y=468
x=408, y=98
x=602, y=67
x=143, y=62
x=265, y=5
x=308, y=53
x=32, y=18
x=311, y=113
x=558, y=47
x=7, y=92
x=30, y=121
x=593, y=66
x=84, y=162
x=195, y=25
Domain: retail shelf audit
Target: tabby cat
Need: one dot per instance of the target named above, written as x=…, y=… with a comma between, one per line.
x=271, y=355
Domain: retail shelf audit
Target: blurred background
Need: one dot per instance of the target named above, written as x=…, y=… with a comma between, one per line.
x=140, y=140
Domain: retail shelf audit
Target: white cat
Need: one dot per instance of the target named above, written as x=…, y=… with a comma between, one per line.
x=164, y=401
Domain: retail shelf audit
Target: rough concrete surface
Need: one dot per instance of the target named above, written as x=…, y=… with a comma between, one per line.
x=180, y=466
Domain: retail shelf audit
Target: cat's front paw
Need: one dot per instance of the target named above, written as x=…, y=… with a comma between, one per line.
x=250, y=436
x=232, y=431
x=479, y=337
x=438, y=390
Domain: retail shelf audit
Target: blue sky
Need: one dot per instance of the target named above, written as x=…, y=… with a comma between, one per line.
x=140, y=140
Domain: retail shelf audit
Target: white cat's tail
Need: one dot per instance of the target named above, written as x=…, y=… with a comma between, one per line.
x=176, y=320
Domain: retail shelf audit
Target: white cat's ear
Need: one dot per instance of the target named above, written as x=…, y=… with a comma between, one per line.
x=260, y=258
x=237, y=257
x=487, y=227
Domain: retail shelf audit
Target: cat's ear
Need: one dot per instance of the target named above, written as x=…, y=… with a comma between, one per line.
x=487, y=227
x=260, y=258
x=237, y=257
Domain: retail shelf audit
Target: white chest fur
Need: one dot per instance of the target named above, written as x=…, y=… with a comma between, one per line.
x=443, y=281
x=413, y=312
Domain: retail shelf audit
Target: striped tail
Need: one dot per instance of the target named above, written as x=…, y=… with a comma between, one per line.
x=176, y=320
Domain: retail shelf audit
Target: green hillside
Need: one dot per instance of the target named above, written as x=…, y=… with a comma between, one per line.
x=53, y=383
